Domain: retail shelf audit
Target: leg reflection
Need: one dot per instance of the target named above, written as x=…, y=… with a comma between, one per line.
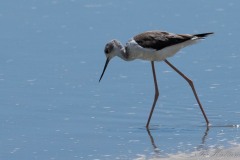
x=155, y=148
x=205, y=135
x=160, y=153
x=201, y=146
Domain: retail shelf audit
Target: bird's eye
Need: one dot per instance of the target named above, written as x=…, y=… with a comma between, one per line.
x=108, y=48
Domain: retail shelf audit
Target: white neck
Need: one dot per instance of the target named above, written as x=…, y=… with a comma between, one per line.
x=123, y=54
x=120, y=50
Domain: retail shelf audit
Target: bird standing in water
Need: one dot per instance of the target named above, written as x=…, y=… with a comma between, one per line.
x=154, y=46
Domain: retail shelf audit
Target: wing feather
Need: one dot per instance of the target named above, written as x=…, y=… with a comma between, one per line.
x=159, y=40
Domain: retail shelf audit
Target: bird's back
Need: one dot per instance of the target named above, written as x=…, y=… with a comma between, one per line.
x=158, y=40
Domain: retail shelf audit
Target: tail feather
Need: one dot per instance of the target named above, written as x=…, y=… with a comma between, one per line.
x=202, y=35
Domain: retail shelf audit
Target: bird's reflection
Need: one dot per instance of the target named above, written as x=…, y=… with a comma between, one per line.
x=205, y=135
x=157, y=150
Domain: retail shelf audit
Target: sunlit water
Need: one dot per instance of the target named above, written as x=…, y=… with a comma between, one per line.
x=52, y=106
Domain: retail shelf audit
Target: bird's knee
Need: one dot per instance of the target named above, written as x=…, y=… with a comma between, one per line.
x=190, y=81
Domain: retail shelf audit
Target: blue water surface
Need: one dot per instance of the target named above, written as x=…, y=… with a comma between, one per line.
x=53, y=107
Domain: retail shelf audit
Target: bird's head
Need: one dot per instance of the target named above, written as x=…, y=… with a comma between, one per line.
x=112, y=49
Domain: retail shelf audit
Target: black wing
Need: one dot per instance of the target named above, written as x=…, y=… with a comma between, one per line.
x=159, y=40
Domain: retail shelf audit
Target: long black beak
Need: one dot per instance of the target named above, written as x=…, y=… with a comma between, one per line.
x=105, y=66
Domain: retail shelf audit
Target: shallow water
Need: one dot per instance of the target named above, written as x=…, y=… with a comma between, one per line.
x=52, y=106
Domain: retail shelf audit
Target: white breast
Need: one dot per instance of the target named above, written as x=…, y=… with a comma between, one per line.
x=137, y=52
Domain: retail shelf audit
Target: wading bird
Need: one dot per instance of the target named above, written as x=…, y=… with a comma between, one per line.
x=154, y=46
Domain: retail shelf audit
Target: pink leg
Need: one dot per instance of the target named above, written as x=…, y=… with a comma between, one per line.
x=156, y=95
x=192, y=86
